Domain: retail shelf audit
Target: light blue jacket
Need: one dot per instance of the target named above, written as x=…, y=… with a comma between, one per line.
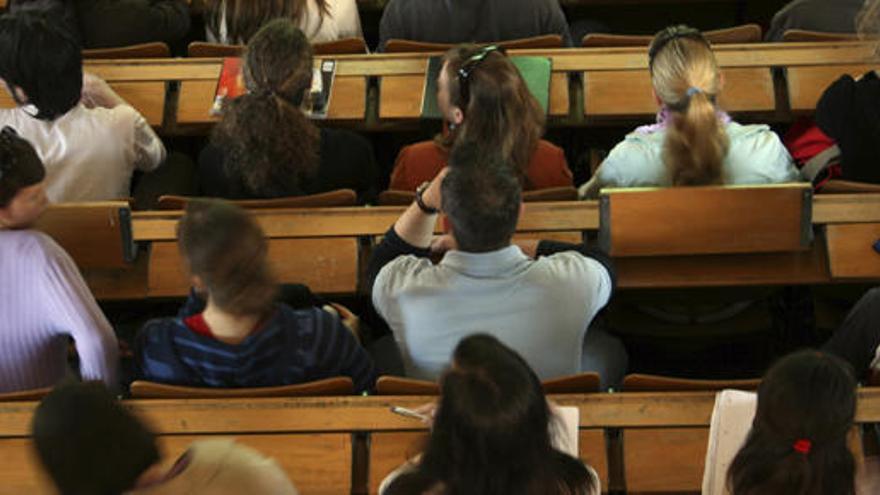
x=756, y=156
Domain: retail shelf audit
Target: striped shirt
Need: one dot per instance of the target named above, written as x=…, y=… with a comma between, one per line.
x=44, y=302
x=292, y=346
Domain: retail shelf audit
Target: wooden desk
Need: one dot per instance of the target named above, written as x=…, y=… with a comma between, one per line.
x=141, y=83
x=312, y=438
x=347, y=98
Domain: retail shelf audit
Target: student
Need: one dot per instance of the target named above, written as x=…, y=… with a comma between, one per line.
x=43, y=299
x=114, y=23
x=491, y=433
x=693, y=142
x=484, y=100
x=89, y=139
x=798, y=442
x=232, y=332
x=90, y=444
x=849, y=112
x=265, y=147
x=236, y=21
x=830, y=16
x=471, y=21
x=486, y=282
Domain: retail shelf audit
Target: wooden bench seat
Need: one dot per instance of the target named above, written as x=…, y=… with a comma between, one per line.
x=323, y=442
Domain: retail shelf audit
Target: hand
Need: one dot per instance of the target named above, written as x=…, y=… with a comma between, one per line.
x=429, y=410
x=432, y=196
x=97, y=93
x=443, y=243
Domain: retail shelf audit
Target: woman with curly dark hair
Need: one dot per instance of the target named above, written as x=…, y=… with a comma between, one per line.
x=265, y=146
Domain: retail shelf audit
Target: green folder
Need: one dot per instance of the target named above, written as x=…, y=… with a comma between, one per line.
x=534, y=70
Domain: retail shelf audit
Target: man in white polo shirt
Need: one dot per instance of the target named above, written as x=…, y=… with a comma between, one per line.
x=536, y=297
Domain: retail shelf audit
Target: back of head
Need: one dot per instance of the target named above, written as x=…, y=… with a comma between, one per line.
x=798, y=441
x=243, y=18
x=44, y=60
x=88, y=443
x=266, y=138
x=20, y=167
x=491, y=431
x=687, y=80
x=500, y=113
x=224, y=247
x=481, y=197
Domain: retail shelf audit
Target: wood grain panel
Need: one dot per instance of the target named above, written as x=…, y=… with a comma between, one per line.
x=704, y=220
x=851, y=252
x=806, y=84
x=400, y=97
x=325, y=265
x=628, y=93
x=318, y=464
x=104, y=245
x=667, y=460
x=148, y=98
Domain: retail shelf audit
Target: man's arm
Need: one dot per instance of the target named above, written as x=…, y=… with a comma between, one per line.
x=411, y=234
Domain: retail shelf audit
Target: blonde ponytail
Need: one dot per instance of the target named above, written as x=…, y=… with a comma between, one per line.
x=686, y=79
x=696, y=144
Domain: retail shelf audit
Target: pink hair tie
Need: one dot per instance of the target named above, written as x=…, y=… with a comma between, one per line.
x=803, y=446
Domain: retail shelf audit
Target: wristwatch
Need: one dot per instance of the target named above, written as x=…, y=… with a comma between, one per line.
x=421, y=202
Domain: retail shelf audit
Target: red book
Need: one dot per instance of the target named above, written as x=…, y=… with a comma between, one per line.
x=229, y=86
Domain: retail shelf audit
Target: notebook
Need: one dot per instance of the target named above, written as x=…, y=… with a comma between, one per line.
x=534, y=70
x=230, y=85
x=731, y=422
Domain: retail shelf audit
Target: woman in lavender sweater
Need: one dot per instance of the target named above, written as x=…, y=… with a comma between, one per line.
x=43, y=299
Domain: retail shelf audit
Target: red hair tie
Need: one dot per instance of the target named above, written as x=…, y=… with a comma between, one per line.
x=803, y=446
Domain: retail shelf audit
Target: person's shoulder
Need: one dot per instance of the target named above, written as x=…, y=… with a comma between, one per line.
x=29, y=244
x=405, y=272
x=344, y=139
x=159, y=330
x=751, y=136
x=547, y=148
x=423, y=149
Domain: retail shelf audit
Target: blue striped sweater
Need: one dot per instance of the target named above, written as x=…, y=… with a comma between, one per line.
x=292, y=346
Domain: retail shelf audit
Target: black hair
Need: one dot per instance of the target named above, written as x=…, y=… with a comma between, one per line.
x=491, y=433
x=20, y=167
x=89, y=443
x=44, y=60
x=798, y=442
x=481, y=195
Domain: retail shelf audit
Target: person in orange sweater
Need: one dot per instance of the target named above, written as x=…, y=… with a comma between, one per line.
x=484, y=100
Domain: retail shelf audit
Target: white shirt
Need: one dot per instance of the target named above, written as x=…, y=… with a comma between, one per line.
x=343, y=22
x=90, y=154
x=541, y=308
x=755, y=156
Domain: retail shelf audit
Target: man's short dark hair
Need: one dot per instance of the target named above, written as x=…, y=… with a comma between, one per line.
x=90, y=444
x=44, y=60
x=481, y=198
x=20, y=166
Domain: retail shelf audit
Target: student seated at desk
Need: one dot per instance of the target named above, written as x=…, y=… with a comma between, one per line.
x=114, y=23
x=484, y=100
x=234, y=22
x=801, y=423
x=849, y=112
x=90, y=444
x=89, y=139
x=265, y=146
x=694, y=142
x=231, y=332
x=43, y=299
x=491, y=433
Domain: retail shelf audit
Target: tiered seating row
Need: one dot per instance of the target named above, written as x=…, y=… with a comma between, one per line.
x=326, y=248
x=588, y=85
x=643, y=442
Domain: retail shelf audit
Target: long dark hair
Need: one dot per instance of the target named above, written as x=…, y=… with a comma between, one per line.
x=798, y=441
x=500, y=114
x=267, y=140
x=491, y=433
x=245, y=17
